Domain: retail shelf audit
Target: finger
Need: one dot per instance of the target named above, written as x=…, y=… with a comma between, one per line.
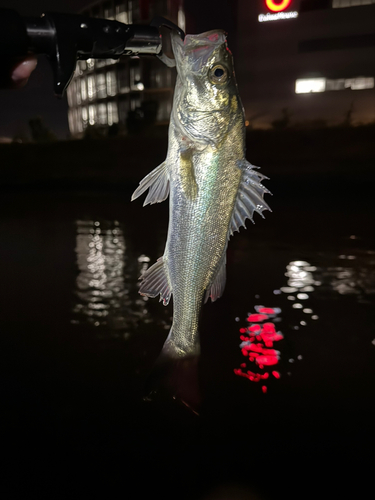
x=22, y=71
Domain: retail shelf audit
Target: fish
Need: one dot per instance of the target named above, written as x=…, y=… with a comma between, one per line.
x=212, y=188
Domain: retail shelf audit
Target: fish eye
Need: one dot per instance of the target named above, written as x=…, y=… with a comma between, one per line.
x=218, y=74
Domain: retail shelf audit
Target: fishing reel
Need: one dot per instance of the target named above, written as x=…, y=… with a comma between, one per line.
x=67, y=38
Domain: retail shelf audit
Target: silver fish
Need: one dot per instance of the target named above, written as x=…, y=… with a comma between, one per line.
x=212, y=187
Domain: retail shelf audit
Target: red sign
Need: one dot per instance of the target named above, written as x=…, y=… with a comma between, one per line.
x=277, y=5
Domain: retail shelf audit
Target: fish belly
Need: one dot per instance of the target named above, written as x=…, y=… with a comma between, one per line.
x=197, y=240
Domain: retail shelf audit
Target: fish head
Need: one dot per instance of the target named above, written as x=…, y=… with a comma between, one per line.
x=206, y=101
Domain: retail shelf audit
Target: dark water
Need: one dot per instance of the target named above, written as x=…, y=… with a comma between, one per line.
x=79, y=342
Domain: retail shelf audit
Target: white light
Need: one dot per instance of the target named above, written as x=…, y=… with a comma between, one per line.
x=181, y=19
x=307, y=85
x=297, y=306
x=140, y=86
x=262, y=18
x=360, y=83
x=353, y=3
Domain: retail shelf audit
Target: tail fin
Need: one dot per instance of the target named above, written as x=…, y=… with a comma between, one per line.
x=175, y=377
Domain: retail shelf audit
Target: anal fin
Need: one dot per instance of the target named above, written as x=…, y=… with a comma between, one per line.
x=157, y=182
x=217, y=288
x=155, y=282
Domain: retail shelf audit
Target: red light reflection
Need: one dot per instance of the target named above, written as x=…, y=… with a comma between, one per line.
x=257, y=317
x=256, y=346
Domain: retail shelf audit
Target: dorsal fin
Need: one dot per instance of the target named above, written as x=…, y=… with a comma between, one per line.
x=249, y=197
x=157, y=182
x=155, y=282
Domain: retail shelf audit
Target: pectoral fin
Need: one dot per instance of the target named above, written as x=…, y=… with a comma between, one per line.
x=249, y=197
x=155, y=282
x=157, y=182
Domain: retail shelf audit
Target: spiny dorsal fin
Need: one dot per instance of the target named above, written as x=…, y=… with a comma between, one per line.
x=217, y=288
x=157, y=182
x=155, y=281
x=249, y=197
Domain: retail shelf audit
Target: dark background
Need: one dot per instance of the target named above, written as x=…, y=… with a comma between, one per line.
x=75, y=421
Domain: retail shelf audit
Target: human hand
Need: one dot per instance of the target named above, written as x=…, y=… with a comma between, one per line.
x=15, y=73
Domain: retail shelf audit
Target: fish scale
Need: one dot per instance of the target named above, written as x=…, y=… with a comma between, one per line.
x=212, y=188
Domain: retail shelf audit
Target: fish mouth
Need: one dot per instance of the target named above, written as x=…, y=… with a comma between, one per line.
x=193, y=43
x=208, y=38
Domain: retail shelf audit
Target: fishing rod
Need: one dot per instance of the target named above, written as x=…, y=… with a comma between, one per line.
x=67, y=38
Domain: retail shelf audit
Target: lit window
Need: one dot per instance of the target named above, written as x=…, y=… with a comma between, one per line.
x=77, y=90
x=100, y=63
x=135, y=77
x=155, y=78
x=101, y=88
x=83, y=89
x=120, y=12
x=92, y=114
x=123, y=78
x=91, y=87
x=360, y=83
x=71, y=121
x=350, y=3
x=85, y=117
x=90, y=63
x=108, y=10
x=164, y=110
x=307, y=85
x=134, y=103
x=111, y=83
x=102, y=114
x=132, y=14
x=168, y=77
x=181, y=19
x=123, y=106
x=77, y=71
x=70, y=94
x=112, y=113
x=82, y=66
x=109, y=62
x=78, y=120
x=335, y=84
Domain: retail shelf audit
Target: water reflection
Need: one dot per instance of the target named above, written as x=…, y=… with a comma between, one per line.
x=352, y=274
x=103, y=285
x=107, y=283
x=257, y=346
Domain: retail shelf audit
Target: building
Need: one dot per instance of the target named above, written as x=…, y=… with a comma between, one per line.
x=105, y=92
x=306, y=61
x=297, y=62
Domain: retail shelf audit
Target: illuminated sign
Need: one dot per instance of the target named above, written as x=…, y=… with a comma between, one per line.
x=277, y=10
x=277, y=6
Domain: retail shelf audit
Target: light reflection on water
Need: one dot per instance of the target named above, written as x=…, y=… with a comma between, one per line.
x=354, y=276
x=106, y=289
